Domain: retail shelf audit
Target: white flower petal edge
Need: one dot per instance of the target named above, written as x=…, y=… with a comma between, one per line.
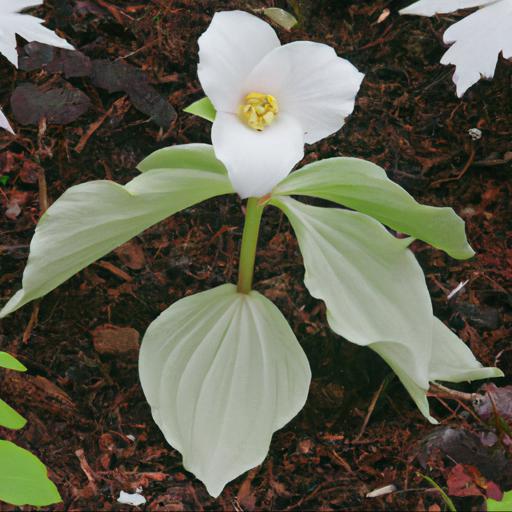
x=222, y=371
x=232, y=45
x=312, y=83
x=477, y=40
x=4, y=123
x=257, y=161
x=28, y=27
x=431, y=7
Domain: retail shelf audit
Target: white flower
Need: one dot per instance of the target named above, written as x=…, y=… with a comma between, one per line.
x=4, y=123
x=478, y=39
x=28, y=27
x=270, y=99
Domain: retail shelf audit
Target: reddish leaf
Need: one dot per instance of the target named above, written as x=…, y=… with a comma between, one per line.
x=460, y=483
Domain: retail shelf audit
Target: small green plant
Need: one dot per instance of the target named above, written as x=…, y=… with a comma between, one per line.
x=447, y=500
x=23, y=477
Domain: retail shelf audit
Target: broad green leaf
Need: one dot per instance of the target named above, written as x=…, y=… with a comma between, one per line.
x=91, y=219
x=11, y=363
x=185, y=156
x=372, y=284
x=451, y=361
x=281, y=17
x=24, y=479
x=202, y=108
x=9, y=418
x=505, y=505
x=222, y=371
x=364, y=187
x=376, y=295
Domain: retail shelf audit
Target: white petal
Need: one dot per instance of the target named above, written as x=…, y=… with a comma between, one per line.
x=28, y=27
x=8, y=45
x=232, y=45
x=478, y=39
x=431, y=7
x=310, y=83
x=4, y=123
x=257, y=161
x=18, y=5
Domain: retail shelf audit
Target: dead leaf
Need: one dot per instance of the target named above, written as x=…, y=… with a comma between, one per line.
x=122, y=77
x=464, y=447
x=502, y=398
x=58, y=106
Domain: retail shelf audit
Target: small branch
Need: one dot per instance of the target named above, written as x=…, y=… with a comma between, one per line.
x=442, y=391
x=31, y=323
x=371, y=408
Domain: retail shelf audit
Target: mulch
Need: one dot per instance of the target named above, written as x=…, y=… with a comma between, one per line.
x=122, y=99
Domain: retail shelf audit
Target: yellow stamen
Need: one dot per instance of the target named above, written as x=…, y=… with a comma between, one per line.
x=259, y=110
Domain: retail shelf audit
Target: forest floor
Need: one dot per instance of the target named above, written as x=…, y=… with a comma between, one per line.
x=87, y=416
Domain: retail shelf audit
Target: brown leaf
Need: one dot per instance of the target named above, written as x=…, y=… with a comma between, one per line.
x=58, y=106
x=122, y=77
x=71, y=63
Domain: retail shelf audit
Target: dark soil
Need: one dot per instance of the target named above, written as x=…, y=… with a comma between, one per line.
x=82, y=402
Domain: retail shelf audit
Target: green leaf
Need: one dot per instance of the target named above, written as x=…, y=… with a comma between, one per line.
x=11, y=363
x=91, y=219
x=505, y=505
x=281, y=17
x=448, y=502
x=376, y=295
x=24, y=478
x=9, y=418
x=364, y=186
x=186, y=156
x=222, y=371
x=202, y=108
x=451, y=361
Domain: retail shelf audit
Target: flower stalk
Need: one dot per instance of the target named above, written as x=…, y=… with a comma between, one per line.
x=249, y=242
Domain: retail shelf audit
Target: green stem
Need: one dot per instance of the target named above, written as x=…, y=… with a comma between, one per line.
x=249, y=243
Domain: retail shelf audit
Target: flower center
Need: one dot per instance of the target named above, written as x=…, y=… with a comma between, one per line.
x=259, y=110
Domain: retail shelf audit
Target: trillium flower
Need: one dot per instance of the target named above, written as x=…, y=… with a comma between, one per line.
x=270, y=99
x=477, y=39
x=4, y=123
x=28, y=27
